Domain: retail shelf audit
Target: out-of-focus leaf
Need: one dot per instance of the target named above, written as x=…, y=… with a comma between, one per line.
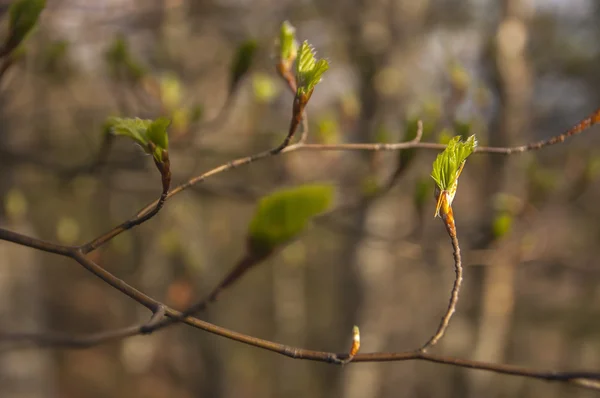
x=422, y=193
x=196, y=113
x=328, y=130
x=264, y=87
x=15, y=203
x=283, y=215
x=171, y=91
x=23, y=16
x=288, y=47
x=242, y=61
x=122, y=63
x=502, y=224
x=67, y=230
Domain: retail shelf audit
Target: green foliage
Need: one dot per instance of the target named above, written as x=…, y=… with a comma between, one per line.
x=309, y=70
x=157, y=132
x=328, y=129
x=171, y=91
x=121, y=62
x=283, y=215
x=502, y=224
x=23, y=15
x=448, y=164
x=265, y=89
x=151, y=135
x=288, y=46
x=242, y=61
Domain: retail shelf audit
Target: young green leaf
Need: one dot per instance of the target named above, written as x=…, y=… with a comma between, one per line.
x=242, y=61
x=133, y=128
x=449, y=163
x=283, y=215
x=309, y=69
x=143, y=132
x=23, y=15
x=288, y=47
x=157, y=134
x=447, y=168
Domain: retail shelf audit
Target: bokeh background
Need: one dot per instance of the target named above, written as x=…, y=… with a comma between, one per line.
x=511, y=71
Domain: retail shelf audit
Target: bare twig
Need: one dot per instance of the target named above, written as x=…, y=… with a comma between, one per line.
x=458, y=269
x=589, y=380
x=582, y=379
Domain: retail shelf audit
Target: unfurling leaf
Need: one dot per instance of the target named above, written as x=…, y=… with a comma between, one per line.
x=151, y=135
x=23, y=15
x=309, y=69
x=242, y=61
x=157, y=134
x=288, y=47
x=447, y=168
x=283, y=215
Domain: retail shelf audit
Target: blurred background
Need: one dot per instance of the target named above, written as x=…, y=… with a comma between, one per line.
x=510, y=71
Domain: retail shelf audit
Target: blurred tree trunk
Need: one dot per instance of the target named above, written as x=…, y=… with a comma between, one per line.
x=506, y=176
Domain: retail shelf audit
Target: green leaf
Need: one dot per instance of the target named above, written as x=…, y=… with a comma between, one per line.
x=448, y=164
x=283, y=215
x=242, y=61
x=132, y=128
x=309, y=69
x=157, y=132
x=143, y=132
x=23, y=15
x=288, y=46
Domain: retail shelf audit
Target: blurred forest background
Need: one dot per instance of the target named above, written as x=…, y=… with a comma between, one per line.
x=510, y=71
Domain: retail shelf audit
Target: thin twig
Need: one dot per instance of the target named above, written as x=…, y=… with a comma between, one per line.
x=458, y=269
x=150, y=210
x=590, y=380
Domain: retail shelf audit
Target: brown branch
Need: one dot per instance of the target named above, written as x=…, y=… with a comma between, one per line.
x=458, y=269
x=150, y=210
x=582, y=379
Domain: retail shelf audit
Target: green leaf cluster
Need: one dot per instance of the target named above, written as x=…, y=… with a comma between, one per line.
x=448, y=164
x=151, y=135
x=283, y=215
x=309, y=69
x=23, y=16
x=242, y=60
